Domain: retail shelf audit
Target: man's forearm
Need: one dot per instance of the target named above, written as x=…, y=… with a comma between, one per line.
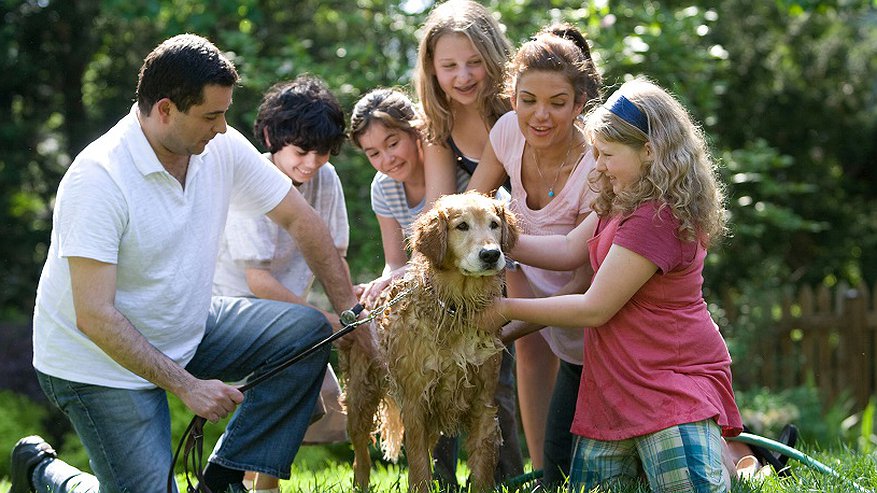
x=325, y=262
x=115, y=335
x=312, y=236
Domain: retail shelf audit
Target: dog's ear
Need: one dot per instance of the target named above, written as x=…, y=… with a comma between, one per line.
x=430, y=236
x=510, y=230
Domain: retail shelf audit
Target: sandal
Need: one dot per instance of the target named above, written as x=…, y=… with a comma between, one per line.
x=789, y=437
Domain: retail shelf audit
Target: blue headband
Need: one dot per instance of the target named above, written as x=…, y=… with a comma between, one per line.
x=621, y=107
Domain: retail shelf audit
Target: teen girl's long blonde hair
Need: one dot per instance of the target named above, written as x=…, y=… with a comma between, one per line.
x=682, y=174
x=472, y=20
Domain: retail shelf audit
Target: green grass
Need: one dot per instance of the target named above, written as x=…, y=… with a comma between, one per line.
x=334, y=477
x=337, y=478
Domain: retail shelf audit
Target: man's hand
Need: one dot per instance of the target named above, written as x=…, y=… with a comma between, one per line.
x=360, y=335
x=211, y=399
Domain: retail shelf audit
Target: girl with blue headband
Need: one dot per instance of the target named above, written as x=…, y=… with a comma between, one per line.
x=655, y=397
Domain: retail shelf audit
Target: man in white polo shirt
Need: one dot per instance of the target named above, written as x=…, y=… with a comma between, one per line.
x=124, y=310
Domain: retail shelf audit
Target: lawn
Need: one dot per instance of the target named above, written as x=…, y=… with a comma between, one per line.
x=333, y=477
x=849, y=464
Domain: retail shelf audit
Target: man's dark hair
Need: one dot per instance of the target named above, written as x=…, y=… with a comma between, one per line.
x=302, y=112
x=178, y=69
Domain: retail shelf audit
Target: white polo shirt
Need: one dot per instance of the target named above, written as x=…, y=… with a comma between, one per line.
x=117, y=204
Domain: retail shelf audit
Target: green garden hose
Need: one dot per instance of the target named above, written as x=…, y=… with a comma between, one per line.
x=799, y=456
x=518, y=481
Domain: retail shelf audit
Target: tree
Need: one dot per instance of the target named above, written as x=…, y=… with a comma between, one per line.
x=785, y=91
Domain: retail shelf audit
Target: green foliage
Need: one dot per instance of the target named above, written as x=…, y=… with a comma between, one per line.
x=765, y=196
x=866, y=437
x=784, y=90
x=19, y=417
x=801, y=78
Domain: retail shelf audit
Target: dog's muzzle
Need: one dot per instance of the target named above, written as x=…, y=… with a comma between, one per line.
x=490, y=256
x=486, y=261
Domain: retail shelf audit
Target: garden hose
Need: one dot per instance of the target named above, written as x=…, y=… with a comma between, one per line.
x=799, y=456
x=518, y=481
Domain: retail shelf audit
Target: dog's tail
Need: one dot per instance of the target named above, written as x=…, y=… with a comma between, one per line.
x=391, y=428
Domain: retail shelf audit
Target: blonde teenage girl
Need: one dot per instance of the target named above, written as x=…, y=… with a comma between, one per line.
x=458, y=79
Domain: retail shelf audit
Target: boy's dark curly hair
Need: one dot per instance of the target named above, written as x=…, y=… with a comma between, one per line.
x=302, y=112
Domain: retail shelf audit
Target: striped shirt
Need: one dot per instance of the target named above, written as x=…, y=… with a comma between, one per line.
x=389, y=199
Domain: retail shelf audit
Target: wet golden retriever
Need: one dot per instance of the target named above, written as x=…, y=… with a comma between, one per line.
x=436, y=369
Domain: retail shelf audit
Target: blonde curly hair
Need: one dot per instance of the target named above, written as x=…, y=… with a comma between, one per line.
x=682, y=174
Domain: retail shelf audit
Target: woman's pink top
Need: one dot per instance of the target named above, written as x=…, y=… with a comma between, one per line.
x=660, y=361
x=556, y=218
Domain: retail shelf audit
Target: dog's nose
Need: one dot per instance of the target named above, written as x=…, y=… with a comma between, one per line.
x=489, y=255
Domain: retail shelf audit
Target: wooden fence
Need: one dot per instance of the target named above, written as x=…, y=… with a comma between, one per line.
x=827, y=336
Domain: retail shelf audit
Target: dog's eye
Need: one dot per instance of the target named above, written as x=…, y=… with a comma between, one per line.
x=463, y=226
x=494, y=224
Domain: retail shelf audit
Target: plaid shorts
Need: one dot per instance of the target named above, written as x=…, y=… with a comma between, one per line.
x=682, y=458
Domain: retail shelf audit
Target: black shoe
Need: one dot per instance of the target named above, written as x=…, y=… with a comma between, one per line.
x=27, y=453
x=789, y=437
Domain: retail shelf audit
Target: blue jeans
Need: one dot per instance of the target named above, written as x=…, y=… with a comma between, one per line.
x=127, y=432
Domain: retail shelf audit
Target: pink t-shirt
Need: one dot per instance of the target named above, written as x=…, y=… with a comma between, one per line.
x=556, y=218
x=660, y=361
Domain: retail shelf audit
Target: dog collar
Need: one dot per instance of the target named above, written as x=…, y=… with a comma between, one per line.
x=452, y=310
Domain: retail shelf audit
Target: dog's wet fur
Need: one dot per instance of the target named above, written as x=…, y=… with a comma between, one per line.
x=436, y=370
